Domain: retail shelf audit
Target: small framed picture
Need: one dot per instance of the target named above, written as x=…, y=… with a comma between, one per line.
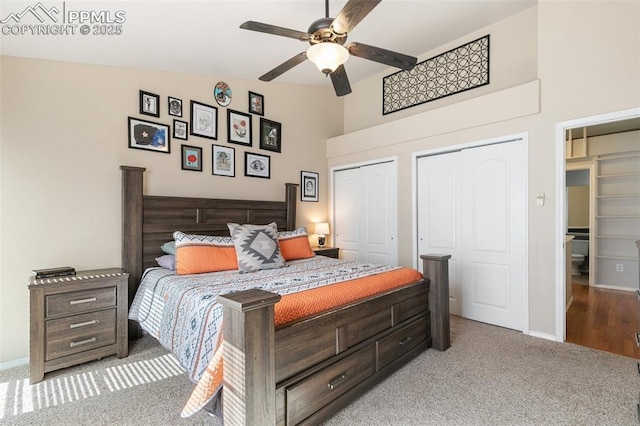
x=180, y=130
x=270, y=135
x=309, y=183
x=222, y=93
x=149, y=104
x=256, y=103
x=239, y=127
x=191, y=158
x=256, y=165
x=175, y=106
x=224, y=160
x=204, y=120
x=150, y=136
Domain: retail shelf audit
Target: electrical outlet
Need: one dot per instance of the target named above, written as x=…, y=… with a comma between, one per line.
x=619, y=267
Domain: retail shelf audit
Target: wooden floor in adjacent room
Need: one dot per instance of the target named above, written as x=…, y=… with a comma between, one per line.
x=604, y=319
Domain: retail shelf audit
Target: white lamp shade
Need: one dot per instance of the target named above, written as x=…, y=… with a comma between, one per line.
x=328, y=56
x=322, y=228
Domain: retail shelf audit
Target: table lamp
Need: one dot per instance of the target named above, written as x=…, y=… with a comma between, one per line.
x=322, y=229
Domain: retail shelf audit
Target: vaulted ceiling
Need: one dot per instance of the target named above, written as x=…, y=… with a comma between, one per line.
x=204, y=36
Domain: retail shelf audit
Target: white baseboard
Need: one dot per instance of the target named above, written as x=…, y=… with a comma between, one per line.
x=15, y=363
x=613, y=287
x=569, y=303
x=545, y=336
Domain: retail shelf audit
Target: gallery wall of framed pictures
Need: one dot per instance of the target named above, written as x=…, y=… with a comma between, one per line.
x=195, y=120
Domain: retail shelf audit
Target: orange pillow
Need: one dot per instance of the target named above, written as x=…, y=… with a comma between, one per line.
x=197, y=254
x=295, y=244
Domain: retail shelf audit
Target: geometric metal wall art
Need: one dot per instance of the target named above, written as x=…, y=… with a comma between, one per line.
x=462, y=68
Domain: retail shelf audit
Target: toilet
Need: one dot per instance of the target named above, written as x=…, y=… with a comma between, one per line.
x=576, y=262
x=579, y=252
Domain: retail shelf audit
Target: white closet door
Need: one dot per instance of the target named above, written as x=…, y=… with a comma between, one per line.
x=346, y=202
x=492, y=201
x=438, y=216
x=378, y=218
x=365, y=213
x=471, y=206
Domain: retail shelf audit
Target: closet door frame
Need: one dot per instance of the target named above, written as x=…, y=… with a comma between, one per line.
x=335, y=169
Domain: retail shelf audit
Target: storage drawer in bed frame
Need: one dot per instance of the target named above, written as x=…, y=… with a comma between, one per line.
x=345, y=350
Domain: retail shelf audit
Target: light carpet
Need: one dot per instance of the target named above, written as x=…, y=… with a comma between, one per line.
x=490, y=376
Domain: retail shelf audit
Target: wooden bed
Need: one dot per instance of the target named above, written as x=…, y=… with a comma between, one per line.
x=305, y=371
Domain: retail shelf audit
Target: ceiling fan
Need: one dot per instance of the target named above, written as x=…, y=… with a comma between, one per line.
x=327, y=37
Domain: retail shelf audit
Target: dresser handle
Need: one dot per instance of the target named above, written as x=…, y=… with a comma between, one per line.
x=82, y=342
x=336, y=382
x=77, y=302
x=83, y=324
x=405, y=340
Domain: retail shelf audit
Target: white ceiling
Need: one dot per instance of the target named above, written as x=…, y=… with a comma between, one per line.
x=204, y=36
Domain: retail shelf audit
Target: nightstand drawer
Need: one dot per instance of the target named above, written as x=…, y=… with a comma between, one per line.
x=79, y=323
x=80, y=341
x=80, y=301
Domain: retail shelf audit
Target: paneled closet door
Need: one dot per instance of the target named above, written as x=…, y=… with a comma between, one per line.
x=438, y=216
x=471, y=206
x=365, y=213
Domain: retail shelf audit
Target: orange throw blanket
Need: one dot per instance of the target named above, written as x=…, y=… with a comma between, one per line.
x=296, y=306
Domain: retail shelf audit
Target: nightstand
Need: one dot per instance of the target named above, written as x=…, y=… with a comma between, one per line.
x=327, y=251
x=77, y=318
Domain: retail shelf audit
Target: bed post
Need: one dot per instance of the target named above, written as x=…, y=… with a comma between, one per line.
x=132, y=233
x=249, y=394
x=291, y=200
x=436, y=269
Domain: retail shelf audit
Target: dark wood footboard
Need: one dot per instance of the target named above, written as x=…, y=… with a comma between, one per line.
x=305, y=372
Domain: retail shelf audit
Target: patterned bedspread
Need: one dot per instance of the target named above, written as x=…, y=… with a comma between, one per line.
x=182, y=313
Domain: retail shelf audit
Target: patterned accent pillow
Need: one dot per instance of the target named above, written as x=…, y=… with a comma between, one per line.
x=256, y=246
x=197, y=254
x=295, y=244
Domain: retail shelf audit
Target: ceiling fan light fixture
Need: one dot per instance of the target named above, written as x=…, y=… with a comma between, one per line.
x=327, y=56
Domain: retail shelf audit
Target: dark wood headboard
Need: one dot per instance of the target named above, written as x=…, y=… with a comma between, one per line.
x=149, y=221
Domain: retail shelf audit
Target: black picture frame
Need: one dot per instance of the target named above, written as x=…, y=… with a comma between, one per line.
x=239, y=128
x=270, y=135
x=256, y=103
x=223, y=160
x=257, y=165
x=149, y=104
x=149, y=136
x=174, y=106
x=191, y=158
x=309, y=186
x=204, y=120
x=180, y=130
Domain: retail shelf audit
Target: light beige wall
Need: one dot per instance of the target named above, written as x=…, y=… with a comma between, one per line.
x=64, y=135
x=578, y=206
x=512, y=61
x=581, y=72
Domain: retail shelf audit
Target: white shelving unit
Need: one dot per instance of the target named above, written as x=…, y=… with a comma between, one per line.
x=617, y=219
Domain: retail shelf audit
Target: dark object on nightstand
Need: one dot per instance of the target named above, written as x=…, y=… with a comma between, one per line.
x=78, y=318
x=327, y=252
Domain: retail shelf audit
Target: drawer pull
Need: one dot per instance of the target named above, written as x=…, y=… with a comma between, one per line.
x=79, y=301
x=82, y=342
x=638, y=340
x=405, y=340
x=336, y=382
x=83, y=324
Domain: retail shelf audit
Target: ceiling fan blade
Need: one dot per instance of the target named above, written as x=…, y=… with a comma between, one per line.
x=340, y=81
x=272, y=29
x=284, y=67
x=383, y=56
x=351, y=14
